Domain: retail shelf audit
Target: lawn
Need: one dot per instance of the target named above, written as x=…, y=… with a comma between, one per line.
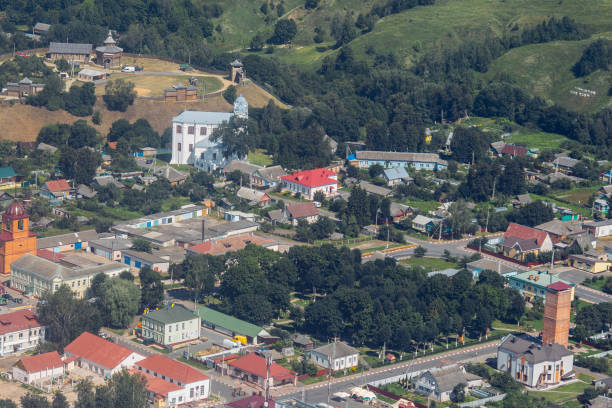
x=259, y=157
x=313, y=380
x=565, y=393
x=429, y=264
x=580, y=210
x=193, y=363
x=576, y=195
x=597, y=285
x=174, y=203
x=154, y=85
x=424, y=206
x=535, y=139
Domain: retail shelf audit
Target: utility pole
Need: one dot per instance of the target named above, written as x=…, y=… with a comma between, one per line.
x=493, y=194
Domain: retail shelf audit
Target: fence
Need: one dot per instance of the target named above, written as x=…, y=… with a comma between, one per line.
x=481, y=402
x=503, y=257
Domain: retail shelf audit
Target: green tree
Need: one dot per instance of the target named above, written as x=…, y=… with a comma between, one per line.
x=62, y=65
x=311, y=4
x=119, y=302
x=7, y=403
x=458, y=393
x=234, y=136
x=257, y=42
x=284, y=31
x=60, y=401
x=85, y=395
x=152, y=288
x=34, y=401
x=512, y=180
x=80, y=165
x=127, y=390
x=66, y=317
x=230, y=94
x=201, y=272
x=96, y=117
x=142, y=245
x=81, y=135
x=419, y=252
x=119, y=94
x=126, y=275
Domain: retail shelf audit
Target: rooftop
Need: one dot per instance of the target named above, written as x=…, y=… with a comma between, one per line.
x=95, y=349
x=538, y=278
x=312, y=178
x=69, y=48
x=558, y=227
x=271, y=173
x=57, y=185
x=400, y=156
x=251, y=194
x=255, y=364
x=202, y=118
x=155, y=384
x=241, y=166
x=396, y=173
x=525, y=233
x=338, y=349
x=171, y=315
x=66, y=239
x=229, y=322
x=228, y=244
x=16, y=321
x=374, y=189
x=451, y=375
x=301, y=210
x=172, y=369
x=532, y=349
x=39, y=362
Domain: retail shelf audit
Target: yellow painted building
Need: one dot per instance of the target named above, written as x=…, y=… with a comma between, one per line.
x=593, y=264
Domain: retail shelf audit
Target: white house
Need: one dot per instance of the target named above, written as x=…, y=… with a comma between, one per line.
x=171, y=325
x=99, y=355
x=32, y=369
x=599, y=228
x=20, y=331
x=340, y=354
x=438, y=383
x=191, y=133
x=532, y=363
x=180, y=383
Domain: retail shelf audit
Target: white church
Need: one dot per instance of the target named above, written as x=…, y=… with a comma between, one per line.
x=191, y=132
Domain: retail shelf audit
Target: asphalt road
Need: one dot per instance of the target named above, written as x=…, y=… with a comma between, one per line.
x=317, y=393
x=590, y=295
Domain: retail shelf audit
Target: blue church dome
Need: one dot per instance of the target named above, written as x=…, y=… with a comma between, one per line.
x=241, y=107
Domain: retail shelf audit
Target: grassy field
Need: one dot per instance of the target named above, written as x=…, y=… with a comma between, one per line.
x=429, y=264
x=154, y=85
x=577, y=195
x=544, y=70
x=563, y=394
x=259, y=157
x=584, y=211
x=424, y=206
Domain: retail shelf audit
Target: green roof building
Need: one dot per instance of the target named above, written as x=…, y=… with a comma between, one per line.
x=171, y=326
x=230, y=325
x=532, y=284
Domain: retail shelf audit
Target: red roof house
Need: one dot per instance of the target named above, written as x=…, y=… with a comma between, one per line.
x=193, y=385
x=32, y=368
x=160, y=388
x=308, y=182
x=21, y=331
x=252, y=368
x=520, y=240
x=302, y=211
x=56, y=189
x=514, y=151
x=99, y=355
x=18, y=321
x=234, y=243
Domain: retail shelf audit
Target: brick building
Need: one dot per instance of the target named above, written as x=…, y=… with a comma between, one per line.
x=555, y=326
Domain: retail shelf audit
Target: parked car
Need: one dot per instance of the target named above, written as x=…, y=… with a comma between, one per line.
x=18, y=300
x=128, y=68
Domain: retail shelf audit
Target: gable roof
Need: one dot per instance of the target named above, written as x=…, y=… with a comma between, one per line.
x=95, y=349
x=301, y=210
x=532, y=349
x=155, y=384
x=271, y=173
x=70, y=48
x=172, y=369
x=241, y=166
x=396, y=173
x=559, y=286
x=7, y=172
x=565, y=161
x=312, y=178
x=175, y=314
x=19, y=320
x=255, y=364
x=57, y=185
x=202, y=118
x=374, y=189
x=525, y=233
x=229, y=322
x=558, y=227
x=422, y=220
x=400, y=156
x=513, y=150
x=42, y=26
x=341, y=350
x=251, y=194
x=229, y=244
x=39, y=362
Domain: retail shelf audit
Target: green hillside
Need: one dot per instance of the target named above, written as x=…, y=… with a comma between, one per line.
x=544, y=70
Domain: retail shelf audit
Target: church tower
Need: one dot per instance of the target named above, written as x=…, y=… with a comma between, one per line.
x=16, y=239
x=241, y=108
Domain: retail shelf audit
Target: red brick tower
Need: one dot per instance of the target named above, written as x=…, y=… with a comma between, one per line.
x=555, y=327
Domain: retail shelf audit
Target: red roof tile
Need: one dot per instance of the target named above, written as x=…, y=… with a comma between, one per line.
x=100, y=351
x=525, y=233
x=255, y=364
x=301, y=210
x=254, y=401
x=171, y=369
x=155, y=384
x=559, y=286
x=229, y=244
x=312, y=178
x=513, y=150
x=49, y=255
x=39, y=362
x=16, y=321
x=57, y=185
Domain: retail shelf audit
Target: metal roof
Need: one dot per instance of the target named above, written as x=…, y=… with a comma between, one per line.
x=69, y=48
x=202, y=118
x=229, y=322
x=175, y=314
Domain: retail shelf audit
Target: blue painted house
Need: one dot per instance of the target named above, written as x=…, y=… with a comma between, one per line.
x=419, y=161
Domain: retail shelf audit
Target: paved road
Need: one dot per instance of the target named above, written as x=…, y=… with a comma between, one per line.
x=316, y=393
x=434, y=249
x=577, y=276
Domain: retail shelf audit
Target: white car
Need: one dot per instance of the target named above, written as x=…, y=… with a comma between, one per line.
x=127, y=68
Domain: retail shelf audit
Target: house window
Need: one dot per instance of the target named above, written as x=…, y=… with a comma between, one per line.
x=179, y=147
x=191, y=130
x=203, y=130
x=179, y=129
x=190, y=147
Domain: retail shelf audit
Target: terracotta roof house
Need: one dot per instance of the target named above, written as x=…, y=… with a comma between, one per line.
x=233, y=243
x=254, y=197
x=37, y=367
x=254, y=401
x=99, y=355
x=301, y=211
x=192, y=385
x=520, y=240
x=55, y=189
x=514, y=151
x=20, y=331
x=309, y=182
x=252, y=368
